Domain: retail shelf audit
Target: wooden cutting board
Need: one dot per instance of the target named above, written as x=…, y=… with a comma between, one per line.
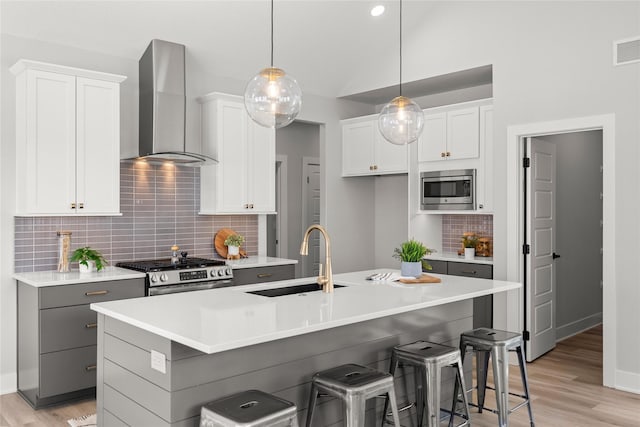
x=218, y=242
x=425, y=278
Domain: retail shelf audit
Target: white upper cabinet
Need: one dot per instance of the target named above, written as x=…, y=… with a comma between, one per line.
x=450, y=135
x=67, y=140
x=366, y=152
x=243, y=181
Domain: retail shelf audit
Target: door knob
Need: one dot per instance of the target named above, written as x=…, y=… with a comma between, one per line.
x=555, y=255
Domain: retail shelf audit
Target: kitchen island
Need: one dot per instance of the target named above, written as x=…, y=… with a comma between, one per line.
x=160, y=358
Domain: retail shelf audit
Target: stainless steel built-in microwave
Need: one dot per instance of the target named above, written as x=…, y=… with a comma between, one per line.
x=448, y=190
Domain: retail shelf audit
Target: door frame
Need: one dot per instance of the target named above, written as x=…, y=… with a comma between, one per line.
x=515, y=222
x=282, y=190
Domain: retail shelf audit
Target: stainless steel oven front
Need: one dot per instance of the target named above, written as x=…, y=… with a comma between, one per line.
x=196, y=279
x=448, y=190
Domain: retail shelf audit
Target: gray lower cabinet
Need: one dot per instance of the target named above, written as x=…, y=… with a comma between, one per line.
x=248, y=276
x=482, y=306
x=57, y=338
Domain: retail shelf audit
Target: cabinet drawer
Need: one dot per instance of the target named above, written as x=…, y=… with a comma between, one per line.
x=247, y=276
x=481, y=271
x=67, y=370
x=86, y=293
x=67, y=327
x=439, y=267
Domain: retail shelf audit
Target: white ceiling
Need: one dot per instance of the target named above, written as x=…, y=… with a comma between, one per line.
x=323, y=43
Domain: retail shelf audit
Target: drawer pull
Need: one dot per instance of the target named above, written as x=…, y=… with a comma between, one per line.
x=90, y=368
x=91, y=325
x=263, y=275
x=96, y=293
x=469, y=272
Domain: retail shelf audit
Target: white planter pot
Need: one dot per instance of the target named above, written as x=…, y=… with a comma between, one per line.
x=90, y=268
x=233, y=250
x=411, y=269
x=469, y=253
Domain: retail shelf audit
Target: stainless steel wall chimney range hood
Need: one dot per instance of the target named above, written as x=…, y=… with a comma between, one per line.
x=162, y=105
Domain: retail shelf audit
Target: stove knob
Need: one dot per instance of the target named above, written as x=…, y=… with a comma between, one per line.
x=153, y=278
x=163, y=277
x=213, y=272
x=221, y=272
x=228, y=271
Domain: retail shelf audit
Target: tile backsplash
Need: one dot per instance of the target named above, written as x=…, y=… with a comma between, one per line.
x=159, y=205
x=454, y=225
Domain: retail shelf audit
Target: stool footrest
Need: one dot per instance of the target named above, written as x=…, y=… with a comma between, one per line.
x=511, y=394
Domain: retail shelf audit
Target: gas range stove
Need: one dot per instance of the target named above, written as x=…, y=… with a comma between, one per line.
x=166, y=276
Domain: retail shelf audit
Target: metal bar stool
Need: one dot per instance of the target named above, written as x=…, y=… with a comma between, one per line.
x=353, y=384
x=252, y=408
x=495, y=344
x=428, y=359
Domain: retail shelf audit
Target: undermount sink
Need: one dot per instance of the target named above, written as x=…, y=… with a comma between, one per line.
x=290, y=290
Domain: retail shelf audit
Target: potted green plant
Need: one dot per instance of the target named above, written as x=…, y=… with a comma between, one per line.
x=88, y=259
x=410, y=253
x=233, y=243
x=469, y=241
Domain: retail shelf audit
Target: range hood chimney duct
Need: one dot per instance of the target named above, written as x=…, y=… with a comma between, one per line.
x=162, y=105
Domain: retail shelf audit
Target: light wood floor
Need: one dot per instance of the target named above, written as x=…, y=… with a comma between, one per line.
x=565, y=388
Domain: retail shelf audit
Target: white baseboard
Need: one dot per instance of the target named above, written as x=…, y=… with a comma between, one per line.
x=8, y=383
x=627, y=381
x=574, y=328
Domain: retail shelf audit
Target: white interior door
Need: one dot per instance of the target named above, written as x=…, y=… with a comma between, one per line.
x=311, y=215
x=541, y=233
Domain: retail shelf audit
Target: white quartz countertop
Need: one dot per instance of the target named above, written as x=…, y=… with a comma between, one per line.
x=53, y=278
x=260, y=261
x=222, y=319
x=452, y=256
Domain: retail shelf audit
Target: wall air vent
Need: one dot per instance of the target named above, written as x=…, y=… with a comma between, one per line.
x=626, y=51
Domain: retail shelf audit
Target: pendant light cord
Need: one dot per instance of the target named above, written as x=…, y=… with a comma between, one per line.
x=400, y=47
x=271, y=33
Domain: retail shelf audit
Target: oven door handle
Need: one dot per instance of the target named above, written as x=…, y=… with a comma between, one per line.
x=187, y=287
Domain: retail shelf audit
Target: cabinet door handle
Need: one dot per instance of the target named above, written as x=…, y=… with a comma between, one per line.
x=448, y=154
x=95, y=293
x=91, y=325
x=469, y=272
x=81, y=205
x=73, y=205
x=371, y=167
x=263, y=275
x=251, y=206
x=442, y=154
x=375, y=167
x=90, y=368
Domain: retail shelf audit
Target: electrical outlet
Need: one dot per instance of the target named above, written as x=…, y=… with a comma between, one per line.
x=158, y=361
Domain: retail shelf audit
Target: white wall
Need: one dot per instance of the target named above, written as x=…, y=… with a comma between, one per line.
x=390, y=216
x=343, y=222
x=551, y=61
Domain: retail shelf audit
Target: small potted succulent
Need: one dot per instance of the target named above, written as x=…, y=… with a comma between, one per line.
x=469, y=241
x=233, y=243
x=88, y=259
x=411, y=253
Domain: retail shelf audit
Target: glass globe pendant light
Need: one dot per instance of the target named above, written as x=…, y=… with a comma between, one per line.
x=273, y=98
x=401, y=120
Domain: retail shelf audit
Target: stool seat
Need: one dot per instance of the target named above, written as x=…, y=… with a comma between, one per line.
x=424, y=352
x=352, y=378
x=251, y=408
x=428, y=359
x=353, y=384
x=491, y=337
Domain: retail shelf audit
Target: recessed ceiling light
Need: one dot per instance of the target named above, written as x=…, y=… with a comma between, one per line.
x=377, y=10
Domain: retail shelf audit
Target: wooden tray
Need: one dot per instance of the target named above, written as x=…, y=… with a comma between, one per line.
x=425, y=278
x=218, y=242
